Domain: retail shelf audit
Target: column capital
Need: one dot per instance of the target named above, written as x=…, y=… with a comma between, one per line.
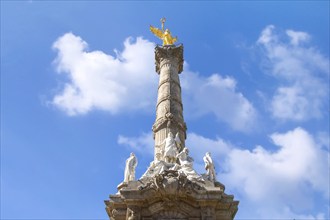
x=169, y=52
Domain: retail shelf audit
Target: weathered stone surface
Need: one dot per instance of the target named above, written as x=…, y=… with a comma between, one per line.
x=171, y=195
x=169, y=109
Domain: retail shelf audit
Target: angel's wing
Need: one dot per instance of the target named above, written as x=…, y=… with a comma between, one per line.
x=156, y=32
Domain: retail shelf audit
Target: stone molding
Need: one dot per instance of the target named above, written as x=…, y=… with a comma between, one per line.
x=169, y=97
x=170, y=195
x=167, y=53
x=169, y=81
x=169, y=121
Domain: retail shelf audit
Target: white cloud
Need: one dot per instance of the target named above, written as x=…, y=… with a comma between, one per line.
x=297, y=37
x=295, y=103
x=142, y=144
x=101, y=81
x=128, y=82
x=280, y=183
x=199, y=145
x=218, y=95
x=302, y=70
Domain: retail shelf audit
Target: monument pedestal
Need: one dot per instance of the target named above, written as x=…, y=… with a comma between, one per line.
x=170, y=195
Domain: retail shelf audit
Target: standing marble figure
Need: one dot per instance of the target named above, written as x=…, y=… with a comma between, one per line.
x=131, y=164
x=170, y=149
x=209, y=166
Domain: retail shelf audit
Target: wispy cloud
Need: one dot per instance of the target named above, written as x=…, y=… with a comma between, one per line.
x=218, y=95
x=302, y=70
x=143, y=144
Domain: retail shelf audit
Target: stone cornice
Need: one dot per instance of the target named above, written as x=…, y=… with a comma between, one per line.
x=169, y=52
x=164, y=120
x=171, y=194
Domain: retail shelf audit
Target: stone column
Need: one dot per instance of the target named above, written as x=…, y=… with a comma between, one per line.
x=169, y=109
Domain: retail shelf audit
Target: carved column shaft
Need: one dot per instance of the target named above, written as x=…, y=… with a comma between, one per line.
x=169, y=109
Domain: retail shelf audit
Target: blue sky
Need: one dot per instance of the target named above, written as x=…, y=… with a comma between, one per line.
x=78, y=94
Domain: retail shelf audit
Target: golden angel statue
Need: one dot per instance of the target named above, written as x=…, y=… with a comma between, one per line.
x=166, y=36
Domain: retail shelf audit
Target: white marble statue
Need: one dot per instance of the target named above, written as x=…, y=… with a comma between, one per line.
x=155, y=167
x=170, y=149
x=184, y=158
x=131, y=164
x=186, y=165
x=209, y=166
